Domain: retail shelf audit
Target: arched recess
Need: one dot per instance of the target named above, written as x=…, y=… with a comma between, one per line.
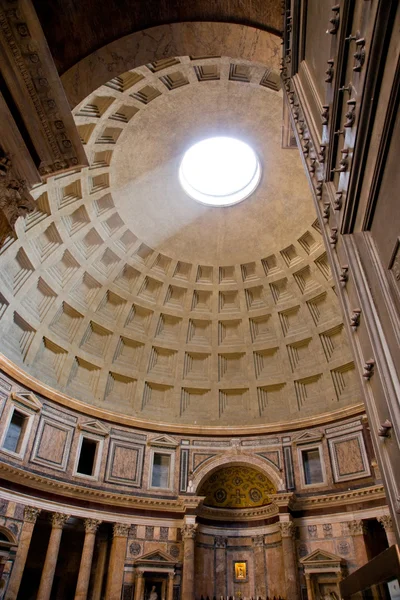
x=245, y=460
x=9, y=535
x=178, y=39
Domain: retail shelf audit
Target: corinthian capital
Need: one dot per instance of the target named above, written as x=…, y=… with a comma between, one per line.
x=287, y=528
x=121, y=529
x=189, y=531
x=91, y=525
x=386, y=522
x=31, y=514
x=356, y=527
x=58, y=520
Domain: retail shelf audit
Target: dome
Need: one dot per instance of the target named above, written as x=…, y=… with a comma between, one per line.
x=123, y=293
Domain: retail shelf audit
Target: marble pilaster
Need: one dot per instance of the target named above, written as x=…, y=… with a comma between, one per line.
x=276, y=583
x=259, y=566
x=188, y=536
x=170, y=588
x=387, y=524
x=46, y=582
x=310, y=591
x=220, y=566
x=139, y=584
x=357, y=530
x=117, y=560
x=30, y=516
x=289, y=560
x=82, y=585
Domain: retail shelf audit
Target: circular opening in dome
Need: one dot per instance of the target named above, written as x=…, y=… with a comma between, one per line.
x=220, y=171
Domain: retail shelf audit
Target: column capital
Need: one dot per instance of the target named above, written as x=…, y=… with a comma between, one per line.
x=220, y=541
x=386, y=522
x=139, y=574
x=171, y=575
x=58, y=520
x=31, y=514
x=258, y=541
x=356, y=527
x=189, y=531
x=91, y=525
x=288, y=529
x=121, y=529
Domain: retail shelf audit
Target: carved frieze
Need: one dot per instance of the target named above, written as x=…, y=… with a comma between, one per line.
x=33, y=82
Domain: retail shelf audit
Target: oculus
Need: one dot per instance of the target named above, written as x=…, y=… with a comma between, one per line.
x=220, y=171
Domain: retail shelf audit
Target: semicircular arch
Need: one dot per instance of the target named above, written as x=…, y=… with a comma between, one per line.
x=242, y=460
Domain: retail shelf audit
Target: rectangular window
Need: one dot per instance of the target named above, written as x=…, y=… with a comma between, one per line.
x=161, y=469
x=15, y=432
x=312, y=466
x=87, y=456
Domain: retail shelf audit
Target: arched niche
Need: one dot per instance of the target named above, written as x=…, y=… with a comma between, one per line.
x=211, y=466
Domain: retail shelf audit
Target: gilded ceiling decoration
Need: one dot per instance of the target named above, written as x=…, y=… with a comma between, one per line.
x=122, y=292
x=237, y=487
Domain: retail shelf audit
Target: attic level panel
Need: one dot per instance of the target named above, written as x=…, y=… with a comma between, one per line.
x=71, y=34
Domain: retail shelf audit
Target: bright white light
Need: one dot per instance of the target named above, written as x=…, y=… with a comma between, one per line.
x=219, y=171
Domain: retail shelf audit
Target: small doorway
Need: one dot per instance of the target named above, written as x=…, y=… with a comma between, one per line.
x=155, y=587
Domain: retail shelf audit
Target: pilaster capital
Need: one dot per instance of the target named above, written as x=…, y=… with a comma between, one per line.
x=220, y=541
x=258, y=541
x=386, y=522
x=356, y=527
x=121, y=529
x=189, y=531
x=91, y=525
x=31, y=514
x=58, y=520
x=288, y=529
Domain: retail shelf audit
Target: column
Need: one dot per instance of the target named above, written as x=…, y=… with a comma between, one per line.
x=220, y=566
x=259, y=566
x=356, y=530
x=310, y=592
x=117, y=561
x=170, y=588
x=46, y=582
x=387, y=524
x=188, y=535
x=100, y=568
x=82, y=585
x=139, y=584
x=30, y=516
x=289, y=560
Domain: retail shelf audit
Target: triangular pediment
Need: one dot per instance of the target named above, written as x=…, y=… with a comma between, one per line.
x=156, y=557
x=27, y=399
x=307, y=437
x=163, y=441
x=320, y=556
x=94, y=427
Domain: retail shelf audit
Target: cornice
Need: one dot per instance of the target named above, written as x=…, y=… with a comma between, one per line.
x=33, y=384
x=70, y=490
x=187, y=504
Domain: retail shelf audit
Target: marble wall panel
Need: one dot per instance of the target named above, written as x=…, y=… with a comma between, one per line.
x=52, y=443
x=349, y=457
x=125, y=463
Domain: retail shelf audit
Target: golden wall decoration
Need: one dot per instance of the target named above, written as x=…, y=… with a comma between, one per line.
x=237, y=487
